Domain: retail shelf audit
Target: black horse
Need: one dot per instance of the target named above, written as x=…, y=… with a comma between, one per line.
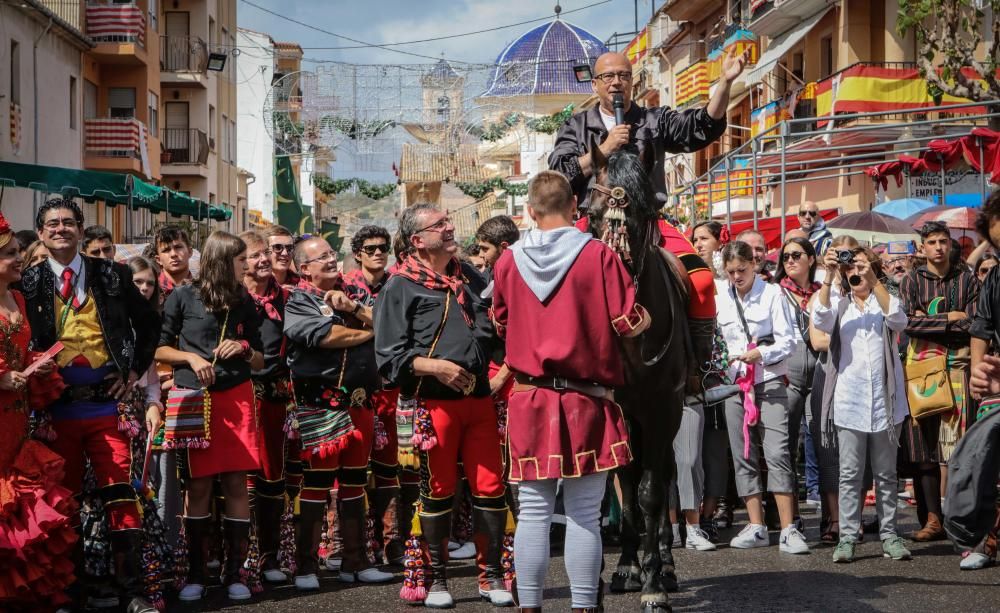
x=623, y=213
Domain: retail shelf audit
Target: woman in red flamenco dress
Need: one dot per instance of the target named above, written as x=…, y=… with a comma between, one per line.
x=36, y=532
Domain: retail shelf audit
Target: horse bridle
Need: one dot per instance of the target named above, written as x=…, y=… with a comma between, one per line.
x=617, y=198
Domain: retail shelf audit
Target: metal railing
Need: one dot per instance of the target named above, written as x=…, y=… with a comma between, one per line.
x=70, y=11
x=820, y=160
x=184, y=146
x=183, y=54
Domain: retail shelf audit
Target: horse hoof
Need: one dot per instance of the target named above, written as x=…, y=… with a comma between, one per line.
x=669, y=582
x=624, y=582
x=655, y=603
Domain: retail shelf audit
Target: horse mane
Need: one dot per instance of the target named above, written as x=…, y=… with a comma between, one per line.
x=627, y=170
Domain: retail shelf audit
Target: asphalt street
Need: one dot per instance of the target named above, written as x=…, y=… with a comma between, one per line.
x=724, y=580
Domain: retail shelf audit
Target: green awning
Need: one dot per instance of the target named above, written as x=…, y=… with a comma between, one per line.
x=113, y=188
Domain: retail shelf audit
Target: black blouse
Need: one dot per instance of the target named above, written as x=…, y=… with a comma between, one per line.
x=407, y=318
x=986, y=323
x=307, y=322
x=189, y=327
x=272, y=336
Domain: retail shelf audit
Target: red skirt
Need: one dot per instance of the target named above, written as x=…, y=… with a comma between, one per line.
x=235, y=433
x=553, y=435
x=36, y=536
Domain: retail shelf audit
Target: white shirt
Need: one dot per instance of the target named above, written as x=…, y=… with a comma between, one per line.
x=609, y=120
x=79, y=276
x=767, y=313
x=859, y=400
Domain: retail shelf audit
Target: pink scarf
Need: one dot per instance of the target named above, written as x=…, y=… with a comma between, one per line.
x=751, y=412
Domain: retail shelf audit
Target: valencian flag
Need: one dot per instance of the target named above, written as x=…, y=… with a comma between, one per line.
x=290, y=212
x=330, y=231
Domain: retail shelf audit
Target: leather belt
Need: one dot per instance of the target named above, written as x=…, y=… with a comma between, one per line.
x=526, y=383
x=98, y=392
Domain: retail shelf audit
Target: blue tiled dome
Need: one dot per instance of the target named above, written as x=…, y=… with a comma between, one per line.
x=541, y=61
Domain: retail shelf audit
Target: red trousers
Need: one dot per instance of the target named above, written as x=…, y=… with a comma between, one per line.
x=385, y=461
x=346, y=467
x=271, y=443
x=466, y=429
x=110, y=455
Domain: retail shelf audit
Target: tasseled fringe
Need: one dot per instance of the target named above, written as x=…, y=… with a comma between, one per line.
x=408, y=458
x=327, y=449
x=381, y=438
x=414, y=571
x=250, y=572
x=507, y=556
x=40, y=426
x=291, y=425
x=424, y=436
x=187, y=443
x=286, y=542
x=181, y=560
x=501, y=408
x=127, y=420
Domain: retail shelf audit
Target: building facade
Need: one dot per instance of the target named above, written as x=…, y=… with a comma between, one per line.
x=255, y=145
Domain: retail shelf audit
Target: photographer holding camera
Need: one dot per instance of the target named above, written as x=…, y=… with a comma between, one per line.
x=864, y=401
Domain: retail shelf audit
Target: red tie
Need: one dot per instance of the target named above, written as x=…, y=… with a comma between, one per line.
x=68, y=289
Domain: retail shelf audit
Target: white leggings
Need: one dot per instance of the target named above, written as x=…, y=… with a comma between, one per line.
x=582, y=498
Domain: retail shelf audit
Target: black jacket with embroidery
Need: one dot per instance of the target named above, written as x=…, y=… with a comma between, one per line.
x=130, y=325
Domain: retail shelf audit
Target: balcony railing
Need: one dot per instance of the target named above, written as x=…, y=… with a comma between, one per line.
x=184, y=146
x=183, y=54
x=70, y=11
x=120, y=138
x=116, y=23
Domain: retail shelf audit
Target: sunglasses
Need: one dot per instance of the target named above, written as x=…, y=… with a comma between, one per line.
x=793, y=256
x=808, y=213
x=371, y=249
x=280, y=248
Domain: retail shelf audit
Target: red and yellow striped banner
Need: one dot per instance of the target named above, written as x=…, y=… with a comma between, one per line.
x=692, y=83
x=637, y=49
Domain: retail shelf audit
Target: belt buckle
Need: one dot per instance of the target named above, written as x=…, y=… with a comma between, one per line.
x=559, y=384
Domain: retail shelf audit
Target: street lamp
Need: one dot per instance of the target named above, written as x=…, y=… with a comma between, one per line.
x=216, y=62
x=583, y=73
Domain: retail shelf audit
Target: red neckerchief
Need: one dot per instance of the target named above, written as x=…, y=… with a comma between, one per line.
x=802, y=294
x=452, y=281
x=266, y=300
x=167, y=284
x=357, y=287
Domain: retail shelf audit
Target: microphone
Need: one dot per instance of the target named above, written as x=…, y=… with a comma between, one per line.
x=618, y=104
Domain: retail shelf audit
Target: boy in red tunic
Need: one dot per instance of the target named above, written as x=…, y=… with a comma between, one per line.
x=560, y=300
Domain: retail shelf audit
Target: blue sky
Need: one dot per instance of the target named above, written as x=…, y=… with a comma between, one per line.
x=386, y=21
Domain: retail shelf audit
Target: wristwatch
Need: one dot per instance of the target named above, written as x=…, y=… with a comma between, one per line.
x=357, y=307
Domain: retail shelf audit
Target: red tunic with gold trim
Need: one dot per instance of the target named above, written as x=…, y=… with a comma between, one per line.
x=572, y=334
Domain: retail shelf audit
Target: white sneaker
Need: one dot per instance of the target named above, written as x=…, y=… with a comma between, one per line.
x=274, y=575
x=333, y=564
x=238, y=591
x=307, y=583
x=975, y=561
x=497, y=598
x=465, y=552
x=368, y=575
x=752, y=535
x=792, y=541
x=697, y=539
x=439, y=600
x=192, y=592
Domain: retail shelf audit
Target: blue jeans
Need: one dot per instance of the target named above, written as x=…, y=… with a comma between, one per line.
x=812, y=464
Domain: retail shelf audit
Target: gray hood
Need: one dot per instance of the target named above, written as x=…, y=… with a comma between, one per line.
x=544, y=257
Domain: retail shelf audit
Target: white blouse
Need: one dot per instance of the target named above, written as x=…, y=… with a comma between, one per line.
x=767, y=313
x=859, y=400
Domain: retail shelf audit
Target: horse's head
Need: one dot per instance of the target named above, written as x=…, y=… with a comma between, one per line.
x=622, y=205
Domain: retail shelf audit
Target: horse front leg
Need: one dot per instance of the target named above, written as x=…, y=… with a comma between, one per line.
x=652, y=499
x=628, y=574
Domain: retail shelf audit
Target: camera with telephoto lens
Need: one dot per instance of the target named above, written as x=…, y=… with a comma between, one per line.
x=845, y=257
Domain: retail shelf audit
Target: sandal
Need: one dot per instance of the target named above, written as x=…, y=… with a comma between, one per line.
x=829, y=535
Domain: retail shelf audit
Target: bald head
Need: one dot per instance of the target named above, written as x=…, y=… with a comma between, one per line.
x=796, y=233
x=808, y=215
x=612, y=66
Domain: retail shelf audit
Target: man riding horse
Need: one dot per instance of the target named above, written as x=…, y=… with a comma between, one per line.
x=650, y=133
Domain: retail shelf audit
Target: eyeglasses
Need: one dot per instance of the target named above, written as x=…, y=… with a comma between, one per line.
x=53, y=224
x=261, y=254
x=437, y=226
x=794, y=256
x=608, y=77
x=808, y=213
x=281, y=248
x=329, y=256
x=371, y=249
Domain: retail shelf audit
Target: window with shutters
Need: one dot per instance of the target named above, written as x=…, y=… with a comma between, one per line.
x=212, y=128
x=225, y=139
x=15, y=72
x=89, y=100
x=232, y=141
x=73, y=104
x=154, y=114
x=121, y=102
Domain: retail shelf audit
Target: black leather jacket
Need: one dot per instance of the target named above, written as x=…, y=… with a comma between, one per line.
x=130, y=324
x=655, y=132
